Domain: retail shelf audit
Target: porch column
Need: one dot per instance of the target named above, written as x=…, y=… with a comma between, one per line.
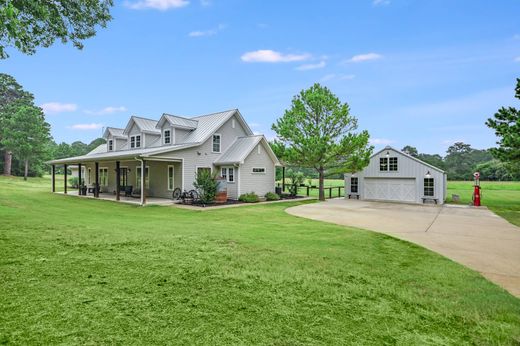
x=118, y=176
x=65, y=178
x=283, y=179
x=143, y=197
x=79, y=179
x=96, y=183
x=53, y=172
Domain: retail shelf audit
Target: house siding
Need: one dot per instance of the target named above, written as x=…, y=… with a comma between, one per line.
x=257, y=182
x=408, y=168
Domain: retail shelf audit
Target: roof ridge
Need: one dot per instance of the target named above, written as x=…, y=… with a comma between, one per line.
x=206, y=115
x=135, y=116
x=178, y=116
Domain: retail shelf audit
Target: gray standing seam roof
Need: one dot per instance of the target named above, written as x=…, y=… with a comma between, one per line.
x=239, y=150
x=181, y=122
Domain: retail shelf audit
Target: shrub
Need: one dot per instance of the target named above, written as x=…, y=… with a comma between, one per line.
x=249, y=197
x=295, y=178
x=74, y=182
x=207, y=185
x=270, y=196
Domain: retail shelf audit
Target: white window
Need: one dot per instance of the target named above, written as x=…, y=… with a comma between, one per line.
x=383, y=163
x=138, y=177
x=138, y=141
x=132, y=142
x=228, y=173
x=429, y=187
x=260, y=170
x=170, y=177
x=167, y=136
x=354, y=185
x=103, y=176
x=110, y=144
x=216, y=143
x=231, y=175
x=392, y=164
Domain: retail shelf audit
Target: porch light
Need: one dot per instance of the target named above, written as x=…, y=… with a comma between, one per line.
x=387, y=154
x=428, y=175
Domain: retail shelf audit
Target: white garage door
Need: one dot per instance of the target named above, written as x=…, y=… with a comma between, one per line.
x=390, y=189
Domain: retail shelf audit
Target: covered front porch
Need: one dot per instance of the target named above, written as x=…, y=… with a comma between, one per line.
x=135, y=181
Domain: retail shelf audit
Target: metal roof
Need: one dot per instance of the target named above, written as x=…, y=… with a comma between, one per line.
x=114, y=132
x=144, y=124
x=178, y=122
x=241, y=148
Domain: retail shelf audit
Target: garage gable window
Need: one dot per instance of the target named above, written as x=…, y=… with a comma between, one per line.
x=354, y=185
x=428, y=187
x=383, y=164
x=392, y=164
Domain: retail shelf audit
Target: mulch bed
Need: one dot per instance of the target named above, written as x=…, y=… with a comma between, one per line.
x=233, y=201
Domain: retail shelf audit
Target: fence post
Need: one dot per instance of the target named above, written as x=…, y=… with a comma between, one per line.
x=339, y=191
x=330, y=192
x=307, y=191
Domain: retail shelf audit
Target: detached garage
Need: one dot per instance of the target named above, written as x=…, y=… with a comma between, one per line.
x=395, y=176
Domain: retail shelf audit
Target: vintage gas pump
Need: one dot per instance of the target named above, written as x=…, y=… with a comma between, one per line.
x=476, y=190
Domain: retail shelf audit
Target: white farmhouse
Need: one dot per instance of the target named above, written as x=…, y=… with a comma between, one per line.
x=395, y=176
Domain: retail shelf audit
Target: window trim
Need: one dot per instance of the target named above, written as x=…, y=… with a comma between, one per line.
x=432, y=187
x=169, y=136
x=168, y=177
x=132, y=142
x=396, y=164
x=110, y=145
x=99, y=175
x=227, y=169
x=253, y=172
x=138, y=176
x=223, y=172
x=381, y=164
x=219, y=143
x=352, y=184
x=136, y=141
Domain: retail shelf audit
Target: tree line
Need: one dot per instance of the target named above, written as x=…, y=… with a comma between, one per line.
x=25, y=139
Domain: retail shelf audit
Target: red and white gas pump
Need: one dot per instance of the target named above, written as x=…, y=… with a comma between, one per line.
x=476, y=190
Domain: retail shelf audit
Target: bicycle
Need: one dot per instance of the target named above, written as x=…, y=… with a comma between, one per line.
x=185, y=196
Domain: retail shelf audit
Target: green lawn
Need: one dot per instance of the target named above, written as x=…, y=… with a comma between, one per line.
x=83, y=271
x=502, y=198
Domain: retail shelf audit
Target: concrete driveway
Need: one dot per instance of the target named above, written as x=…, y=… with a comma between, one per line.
x=474, y=237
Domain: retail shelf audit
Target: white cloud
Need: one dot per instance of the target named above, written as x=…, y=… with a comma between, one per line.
x=517, y=59
x=254, y=125
x=381, y=141
x=92, y=126
x=205, y=3
x=306, y=67
x=271, y=56
x=210, y=32
x=58, y=107
x=380, y=2
x=161, y=5
x=107, y=110
x=332, y=76
x=365, y=57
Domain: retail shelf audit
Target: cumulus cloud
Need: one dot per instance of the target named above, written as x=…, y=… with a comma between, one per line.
x=161, y=5
x=381, y=141
x=58, y=107
x=92, y=126
x=271, y=56
x=107, y=110
x=306, y=67
x=365, y=57
x=211, y=32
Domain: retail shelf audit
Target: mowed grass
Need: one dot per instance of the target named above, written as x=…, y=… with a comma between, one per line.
x=503, y=198
x=84, y=271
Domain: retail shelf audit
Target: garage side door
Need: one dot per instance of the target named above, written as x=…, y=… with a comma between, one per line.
x=390, y=189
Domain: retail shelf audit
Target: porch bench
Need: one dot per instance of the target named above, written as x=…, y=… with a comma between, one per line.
x=353, y=195
x=429, y=199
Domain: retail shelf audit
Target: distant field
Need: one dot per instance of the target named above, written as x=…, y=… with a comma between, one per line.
x=314, y=192
x=502, y=198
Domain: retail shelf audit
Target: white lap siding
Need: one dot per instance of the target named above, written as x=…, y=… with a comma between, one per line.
x=259, y=183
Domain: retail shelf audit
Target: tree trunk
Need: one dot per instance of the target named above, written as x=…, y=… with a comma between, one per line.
x=7, y=162
x=26, y=170
x=321, y=190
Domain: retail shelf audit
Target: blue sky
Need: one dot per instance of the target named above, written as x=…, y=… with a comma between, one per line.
x=424, y=73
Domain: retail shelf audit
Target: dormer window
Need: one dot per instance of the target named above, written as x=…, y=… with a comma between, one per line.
x=110, y=145
x=216, y=143
x=167, y=136
x=135, y=141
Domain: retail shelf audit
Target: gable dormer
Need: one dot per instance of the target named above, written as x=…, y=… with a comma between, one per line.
x=175, y=128
x=141, y=132
x=115, y=139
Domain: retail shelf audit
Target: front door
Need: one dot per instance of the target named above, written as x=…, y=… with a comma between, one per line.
x=123, y=176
